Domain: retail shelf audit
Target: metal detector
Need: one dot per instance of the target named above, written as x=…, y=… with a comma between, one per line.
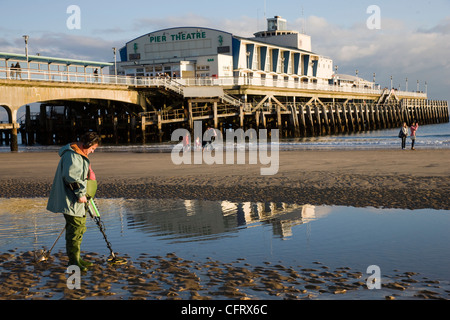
x=91, y=207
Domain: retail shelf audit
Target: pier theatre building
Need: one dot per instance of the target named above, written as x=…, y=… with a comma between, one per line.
x=195, y=52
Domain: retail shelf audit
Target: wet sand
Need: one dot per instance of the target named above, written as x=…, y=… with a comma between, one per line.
x=381, y=178
x=171, y=277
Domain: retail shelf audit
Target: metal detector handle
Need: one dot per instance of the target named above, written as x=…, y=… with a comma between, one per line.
x=93, y=208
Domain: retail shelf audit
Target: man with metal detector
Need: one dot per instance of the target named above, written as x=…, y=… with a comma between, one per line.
x=74, y=184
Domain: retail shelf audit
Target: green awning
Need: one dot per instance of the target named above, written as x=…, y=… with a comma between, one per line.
x=50, y=60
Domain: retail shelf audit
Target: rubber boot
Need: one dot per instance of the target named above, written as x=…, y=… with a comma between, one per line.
x=73, y=252
x=85, y=263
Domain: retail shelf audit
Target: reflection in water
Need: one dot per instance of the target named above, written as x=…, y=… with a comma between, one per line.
x=203, y=220
x=23, y=220
x=228, y=230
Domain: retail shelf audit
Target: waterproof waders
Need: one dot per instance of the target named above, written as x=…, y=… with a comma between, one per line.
x=75, y=228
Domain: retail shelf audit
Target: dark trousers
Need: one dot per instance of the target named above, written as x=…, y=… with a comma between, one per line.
x=75, y=228
x=403, y=142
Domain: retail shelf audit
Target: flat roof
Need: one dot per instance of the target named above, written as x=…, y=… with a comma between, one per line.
x=275, y=45
x=33, y=58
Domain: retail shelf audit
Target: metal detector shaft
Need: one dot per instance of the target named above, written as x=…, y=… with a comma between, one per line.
x=60, y=234
x=46, y=254
x=94, y=213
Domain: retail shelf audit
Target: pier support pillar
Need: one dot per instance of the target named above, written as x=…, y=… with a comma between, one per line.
x=294, y=121
x=301, y=113
x=215, y=119
x=143, y=129
x=351, y=122
x=279, y=124
x=333, y=119
x=14, y=143
x=325, y=119
x=257, y=118
x=339, y=125
x=160, y=131
x=310, y=119
x=190, y=116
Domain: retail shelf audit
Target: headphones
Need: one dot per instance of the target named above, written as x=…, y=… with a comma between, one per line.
x=89, y=139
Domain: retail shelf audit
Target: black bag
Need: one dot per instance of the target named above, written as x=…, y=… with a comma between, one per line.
x=401, y=134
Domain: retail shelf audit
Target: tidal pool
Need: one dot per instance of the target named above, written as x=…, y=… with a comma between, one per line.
x=296, y=237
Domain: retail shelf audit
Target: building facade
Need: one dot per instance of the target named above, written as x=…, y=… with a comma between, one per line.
x=195, y=52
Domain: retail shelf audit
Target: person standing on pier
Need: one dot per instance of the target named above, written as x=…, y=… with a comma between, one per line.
x=96, y=75
x=12, y=71
x=403, y=135
x=414, y=128
x=18, y=71
x=73, y=184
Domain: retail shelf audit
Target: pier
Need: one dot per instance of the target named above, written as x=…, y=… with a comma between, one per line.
x=126, y=109
x=300, y=114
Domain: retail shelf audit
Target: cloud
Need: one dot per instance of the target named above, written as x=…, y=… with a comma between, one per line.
x=443, y=27
x=396, y=49
x=147, y=25
x=64, y=45
x=244, y=26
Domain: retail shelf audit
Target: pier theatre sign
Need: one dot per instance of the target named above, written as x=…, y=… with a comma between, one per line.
x=182, y=43
x=178, y=37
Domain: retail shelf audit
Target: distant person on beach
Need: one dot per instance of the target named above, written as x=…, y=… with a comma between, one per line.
x=403, y=135
x=198, y=145
x=414, y=128
x=73, y=184
x=211, y=134
x=186, y=142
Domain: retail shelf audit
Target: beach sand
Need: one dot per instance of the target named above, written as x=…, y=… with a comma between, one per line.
x=378, y=178
x=371, y=178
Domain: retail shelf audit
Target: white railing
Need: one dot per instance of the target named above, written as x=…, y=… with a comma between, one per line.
x=178, y=84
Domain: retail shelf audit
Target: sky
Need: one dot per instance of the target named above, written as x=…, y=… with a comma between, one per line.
x=412, y=38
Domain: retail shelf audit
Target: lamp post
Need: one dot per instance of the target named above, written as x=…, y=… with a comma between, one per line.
x=115, y=63
x=26, y=37
x=336, y=67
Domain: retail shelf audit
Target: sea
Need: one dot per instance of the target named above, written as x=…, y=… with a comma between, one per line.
x=436, y=136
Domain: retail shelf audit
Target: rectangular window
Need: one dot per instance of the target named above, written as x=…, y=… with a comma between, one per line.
x=134, y=56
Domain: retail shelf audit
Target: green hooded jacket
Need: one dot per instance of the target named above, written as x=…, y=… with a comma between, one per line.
x=73, y=167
